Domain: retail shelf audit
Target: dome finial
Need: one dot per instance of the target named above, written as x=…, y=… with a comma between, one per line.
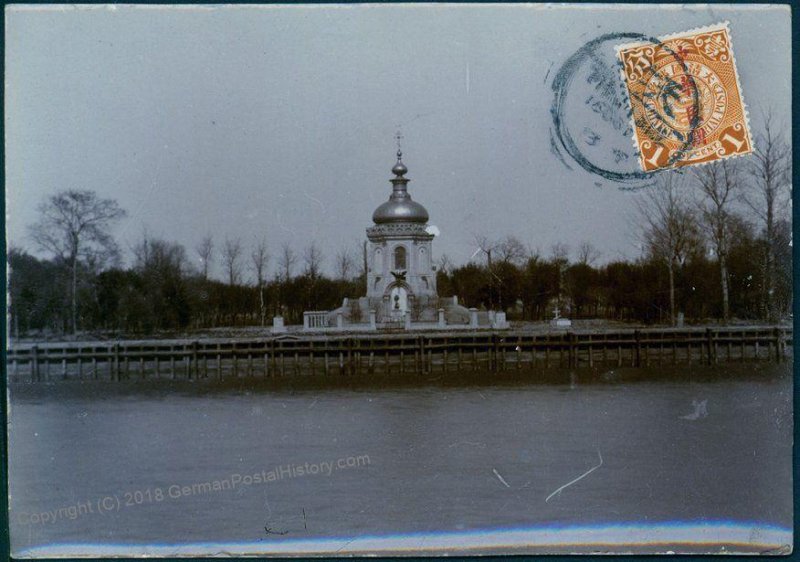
x=399, y=168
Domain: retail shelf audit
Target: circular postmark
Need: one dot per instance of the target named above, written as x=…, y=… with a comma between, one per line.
x=670, y=107
x=593, y=121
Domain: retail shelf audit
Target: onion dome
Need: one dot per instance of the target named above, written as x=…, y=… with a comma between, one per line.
x=399, y=168
x=400, y=207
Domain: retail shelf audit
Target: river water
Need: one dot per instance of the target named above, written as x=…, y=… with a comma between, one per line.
x=105, y=466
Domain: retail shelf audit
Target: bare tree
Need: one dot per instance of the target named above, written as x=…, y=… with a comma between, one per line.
x=74, y=226
x=508, y=250
x=313, y=260
x=487, y=246
x=141, y=251
x=588, y=254
x=160, y=258
x=668, y=224
x=259, y=259
x=231, y=257
x=445, y=264
x=511, y=250
x=559, y=255
x=719, y=184
x=770, y=195
x=287, y=261
x=206, y=251
x=483, y=243
x=345, y=265
x=534, y=255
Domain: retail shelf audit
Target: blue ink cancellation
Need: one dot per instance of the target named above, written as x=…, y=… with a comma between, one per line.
x=592, y=117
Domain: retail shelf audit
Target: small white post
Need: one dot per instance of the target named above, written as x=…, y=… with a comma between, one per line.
x=339, y=321
x=441, y=318
x=407, y=318
x=473, y=317
x=306, y=320
x=373, y=325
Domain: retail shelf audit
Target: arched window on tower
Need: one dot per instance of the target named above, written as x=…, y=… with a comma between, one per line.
x=400, y=257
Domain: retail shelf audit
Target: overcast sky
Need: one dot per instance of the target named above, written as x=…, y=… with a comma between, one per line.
x=279, y=122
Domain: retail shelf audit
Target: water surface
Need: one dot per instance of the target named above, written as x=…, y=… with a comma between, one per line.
x=410, y=460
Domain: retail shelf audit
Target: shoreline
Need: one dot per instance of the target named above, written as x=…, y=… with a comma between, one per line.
x=567, y=378
x=406, y=354
x=223, y=335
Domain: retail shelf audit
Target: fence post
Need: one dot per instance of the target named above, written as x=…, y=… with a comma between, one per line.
x=493, y=352
x=272, y=358
x=351, y=368
x=573, y=349
x=778, y=345
x=195, y=365
x=116, y=362
x=638, y=355
x=712, y=348
x=35, y=363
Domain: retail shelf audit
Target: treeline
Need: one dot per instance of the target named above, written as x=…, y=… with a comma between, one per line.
x=163, y=292
x=715, y=239
x=160, y=293
x=715, y=244
x=531, y=287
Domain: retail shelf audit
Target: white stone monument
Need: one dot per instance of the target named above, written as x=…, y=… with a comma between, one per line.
x=400, y=272
x=558, y=321
x=277, y=325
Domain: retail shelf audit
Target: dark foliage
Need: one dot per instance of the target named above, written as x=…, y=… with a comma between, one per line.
x=160, y=293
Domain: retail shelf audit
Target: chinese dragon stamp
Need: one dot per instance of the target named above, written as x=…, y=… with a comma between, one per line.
x=685, y=99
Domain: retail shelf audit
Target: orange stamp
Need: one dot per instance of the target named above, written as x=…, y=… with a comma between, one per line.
x=685, y=99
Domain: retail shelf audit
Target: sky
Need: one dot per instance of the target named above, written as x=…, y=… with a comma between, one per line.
x=279, y=122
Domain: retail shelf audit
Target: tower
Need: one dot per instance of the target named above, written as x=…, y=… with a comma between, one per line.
x=400, y=272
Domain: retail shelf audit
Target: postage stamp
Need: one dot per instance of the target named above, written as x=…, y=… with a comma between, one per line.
x=686, y=99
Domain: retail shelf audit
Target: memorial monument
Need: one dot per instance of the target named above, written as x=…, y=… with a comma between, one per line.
x=401, y=276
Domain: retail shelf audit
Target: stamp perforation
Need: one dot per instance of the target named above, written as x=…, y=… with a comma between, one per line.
x=636, y=138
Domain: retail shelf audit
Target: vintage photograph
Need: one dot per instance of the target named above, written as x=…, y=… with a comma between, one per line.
x=398, y=279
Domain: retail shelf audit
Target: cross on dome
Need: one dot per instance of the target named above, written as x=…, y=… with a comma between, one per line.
x=400, y=208
x=399, y=169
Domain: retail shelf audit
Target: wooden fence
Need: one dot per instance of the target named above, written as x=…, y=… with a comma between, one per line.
x=392, y=353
